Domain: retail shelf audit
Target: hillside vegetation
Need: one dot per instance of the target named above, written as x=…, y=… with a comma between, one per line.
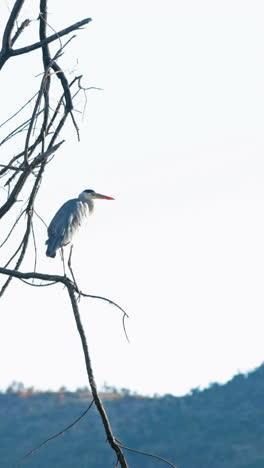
x=220, y=427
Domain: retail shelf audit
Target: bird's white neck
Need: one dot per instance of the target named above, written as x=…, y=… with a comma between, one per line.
x=91, y=205
x=86, y=199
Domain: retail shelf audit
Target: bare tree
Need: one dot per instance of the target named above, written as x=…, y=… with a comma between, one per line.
x=40, y=139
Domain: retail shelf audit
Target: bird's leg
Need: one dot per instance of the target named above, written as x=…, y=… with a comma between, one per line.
x=70, y=268
x=62, y=257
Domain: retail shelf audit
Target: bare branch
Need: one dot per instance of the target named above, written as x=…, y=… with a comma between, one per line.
x=97, y=400
x=35, y=247
x=107, y=300
x=65, y=85
x=30, y=275
x=60, y=101
x=17, y=130
x=48, y=40
x=12, y=228
x=89, y=87
x=10, y=24
x=13, y=168
x=8, y=52
x=147, y=454
x=41, y=219
x=21, y=28
x=23, y=246
x=33, y=117
x=56, y=435
x=43, y=33
x=22, y=179
x=14, y=254
x=42, y=285
x=75, y=125
x=12, y=116
x=125, y=315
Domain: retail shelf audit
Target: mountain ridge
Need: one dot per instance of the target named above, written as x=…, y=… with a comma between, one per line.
x=220, y=426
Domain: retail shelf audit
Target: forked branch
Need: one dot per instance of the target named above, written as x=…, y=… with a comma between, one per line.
x=97, y=400
x=7, y=50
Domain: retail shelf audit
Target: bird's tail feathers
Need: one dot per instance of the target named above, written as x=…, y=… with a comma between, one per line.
x=50, y=253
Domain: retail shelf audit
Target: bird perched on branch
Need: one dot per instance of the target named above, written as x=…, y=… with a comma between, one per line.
x=68, y=219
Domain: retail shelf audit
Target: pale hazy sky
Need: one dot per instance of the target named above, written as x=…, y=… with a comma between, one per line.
x=177, y=137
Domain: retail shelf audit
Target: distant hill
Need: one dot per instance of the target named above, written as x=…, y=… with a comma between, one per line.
x=220, y=427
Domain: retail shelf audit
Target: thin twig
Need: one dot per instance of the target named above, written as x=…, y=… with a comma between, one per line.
x=33, y=117
x=20, y=259
x=107, y=300
x=21, y=28
x=147, y=454
x=75, y=125
x=35, y=246
x=21, y=108
x=60, y=101
x=11, y=230
x=55, y=435
x=89, y=87
x=15, y=253
x=41, y=219
x=37, y=285
x=23, y=126
x=12, y=168
x=125, y=315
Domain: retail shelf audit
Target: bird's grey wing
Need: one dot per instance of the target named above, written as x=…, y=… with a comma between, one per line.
x=67, y=221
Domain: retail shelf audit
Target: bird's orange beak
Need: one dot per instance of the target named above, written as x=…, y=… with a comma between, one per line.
x=98, y=195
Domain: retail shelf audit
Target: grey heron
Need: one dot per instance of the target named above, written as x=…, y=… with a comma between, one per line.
x=68, y=219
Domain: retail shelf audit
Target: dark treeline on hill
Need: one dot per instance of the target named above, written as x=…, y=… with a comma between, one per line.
x=219, y=427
